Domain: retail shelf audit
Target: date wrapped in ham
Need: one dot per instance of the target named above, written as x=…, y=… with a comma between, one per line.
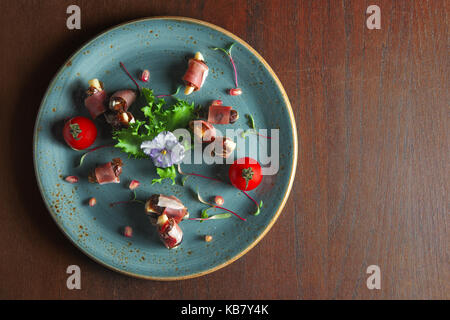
x=171, y=206
x=223, y=147
x=203, y=130
x=196, y=74
x=121, y=100
x=107, y=173
x=219, y=114
x=95, y=100
x=169, y=231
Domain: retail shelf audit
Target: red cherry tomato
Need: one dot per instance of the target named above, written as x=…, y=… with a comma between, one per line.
x=245, y=174
x=79, y=133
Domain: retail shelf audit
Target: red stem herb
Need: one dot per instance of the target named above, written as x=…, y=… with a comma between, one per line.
x=130, y=76
x=214, y=179
x=228, y=53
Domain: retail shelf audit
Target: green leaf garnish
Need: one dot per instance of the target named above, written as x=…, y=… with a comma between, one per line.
x=158, y=118
x=183, y=180
x=227, y=51
x=165, y=173
x=220, y=216
x=251, y=121
x=258, y=209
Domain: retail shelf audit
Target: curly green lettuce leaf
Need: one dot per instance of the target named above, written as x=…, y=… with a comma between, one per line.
x=157, y=118
x=129, y=140
x=165, y=173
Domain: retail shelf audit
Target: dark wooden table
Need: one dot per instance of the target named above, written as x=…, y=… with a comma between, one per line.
x=373, y=166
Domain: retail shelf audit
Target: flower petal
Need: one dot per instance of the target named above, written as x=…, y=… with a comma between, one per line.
x=177, y=153
x=165, y=149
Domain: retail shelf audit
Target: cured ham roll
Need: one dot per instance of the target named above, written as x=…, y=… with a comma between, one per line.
x=95, y=100
x=171, y=206
x=196, y=74
x=169, y=231
x=203, y=130
x=219, y=114
x=107, y=173
x=121, y=100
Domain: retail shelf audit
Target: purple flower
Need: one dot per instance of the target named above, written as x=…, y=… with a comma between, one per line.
x=164, y=149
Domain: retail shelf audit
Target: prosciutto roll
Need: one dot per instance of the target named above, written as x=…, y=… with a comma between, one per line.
x=169, y=232
x=121, y=100
x=107, y=173
x=171, y=206
x=219, y=114
x=95, y=102
x=203, y=130
x=196, y=74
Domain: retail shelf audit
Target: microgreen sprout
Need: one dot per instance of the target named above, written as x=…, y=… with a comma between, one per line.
x=252, y=130
x=89, y=151
x=130, y=76
x=227, y=51
x=128, y=201
x=214, y=217
x=258, y=206
x=169, y=95
x=199, y=197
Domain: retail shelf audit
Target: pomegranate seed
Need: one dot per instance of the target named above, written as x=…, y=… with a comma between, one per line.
x=92, y=202
x=219, y=200
x=134, y=184
x=71, y=179
x=235, y=92
x=208, y=238
x=145, y=76
x=128, y=232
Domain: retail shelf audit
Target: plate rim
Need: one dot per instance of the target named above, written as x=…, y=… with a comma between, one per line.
x=294, y=155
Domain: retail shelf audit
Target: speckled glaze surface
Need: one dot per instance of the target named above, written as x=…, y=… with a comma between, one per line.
x=160, y=44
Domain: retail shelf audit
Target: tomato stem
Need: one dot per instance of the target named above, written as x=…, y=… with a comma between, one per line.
x=247, y=174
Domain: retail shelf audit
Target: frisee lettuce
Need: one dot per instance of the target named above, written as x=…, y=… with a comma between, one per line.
x=166, y=173
x=158, y=117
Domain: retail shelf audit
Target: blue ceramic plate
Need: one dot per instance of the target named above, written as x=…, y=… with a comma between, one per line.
x=161, y=45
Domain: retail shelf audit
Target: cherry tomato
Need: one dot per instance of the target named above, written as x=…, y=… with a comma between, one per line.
x=245, y=174
x=79, y=133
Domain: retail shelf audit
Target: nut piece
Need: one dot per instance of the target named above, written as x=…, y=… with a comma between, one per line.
x=208, y=238
x=188, y=90
x=95, y=86
x=125, y=118
x=199, y=56
x=117, y=104
x=162, y=219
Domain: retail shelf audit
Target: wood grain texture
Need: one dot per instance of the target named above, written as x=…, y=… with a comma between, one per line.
x=372, y=181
